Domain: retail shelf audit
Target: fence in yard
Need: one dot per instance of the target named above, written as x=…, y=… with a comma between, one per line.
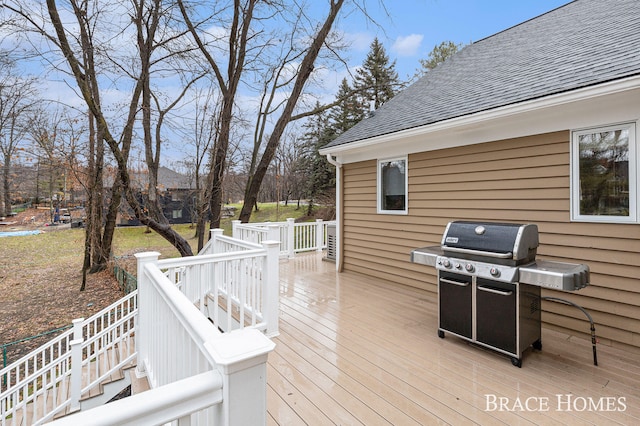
x=126, y=281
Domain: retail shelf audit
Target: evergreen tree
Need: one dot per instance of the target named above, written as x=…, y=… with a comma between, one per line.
x=438, y=55
x=377, y=81
x=312, y=168
x=348, y=111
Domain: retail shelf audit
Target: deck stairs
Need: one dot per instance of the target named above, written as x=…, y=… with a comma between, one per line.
x=82, y=368
x=58, y=391
x=88, y=365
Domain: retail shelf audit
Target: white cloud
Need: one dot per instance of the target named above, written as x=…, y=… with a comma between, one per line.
x=407, y=46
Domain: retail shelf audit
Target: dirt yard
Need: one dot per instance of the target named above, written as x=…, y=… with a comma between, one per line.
x=40, y=278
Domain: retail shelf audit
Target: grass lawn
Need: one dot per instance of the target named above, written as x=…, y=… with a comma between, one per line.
x=40, y=275
x=136, y=239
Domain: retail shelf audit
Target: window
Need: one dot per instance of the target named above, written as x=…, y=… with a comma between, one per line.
x=177, y=214
x=392, y=186
x=604, y=167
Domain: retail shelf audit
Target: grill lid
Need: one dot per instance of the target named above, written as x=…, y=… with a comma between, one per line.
x=511, y=242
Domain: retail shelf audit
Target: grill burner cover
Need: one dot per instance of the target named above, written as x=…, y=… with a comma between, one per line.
x=504, y=243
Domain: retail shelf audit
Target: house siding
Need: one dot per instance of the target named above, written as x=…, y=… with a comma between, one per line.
x=519, y=180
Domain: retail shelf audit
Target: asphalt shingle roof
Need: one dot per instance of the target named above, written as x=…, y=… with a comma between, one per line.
x=583, y=43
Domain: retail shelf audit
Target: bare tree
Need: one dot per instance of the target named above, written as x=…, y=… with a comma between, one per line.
x=301, y=77
x=239, y=34
x=264, y=47
x=202, y=138
x=45, y=133
x=90, y=58
x=159, y=47
x=251, y=36
x=17, y=97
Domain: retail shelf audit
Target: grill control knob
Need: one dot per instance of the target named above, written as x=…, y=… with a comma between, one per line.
x=494, y=272
x=469, y=267
x=458, y=266
x=446, y=263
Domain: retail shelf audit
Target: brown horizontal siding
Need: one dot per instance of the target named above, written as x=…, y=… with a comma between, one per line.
x=489, y=176
x=605, y=242
x=540, y=184
x=523, y=180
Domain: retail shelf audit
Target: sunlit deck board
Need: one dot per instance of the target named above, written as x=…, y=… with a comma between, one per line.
x=357, y=350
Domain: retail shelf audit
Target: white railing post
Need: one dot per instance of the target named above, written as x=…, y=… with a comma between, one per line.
x=215, y=233
x=271, y=290
x=76, y=364
x=319, y=234
x=241, y=358
x=291, y=240
x=141, y=343
x=273, y=232
x=234, y=229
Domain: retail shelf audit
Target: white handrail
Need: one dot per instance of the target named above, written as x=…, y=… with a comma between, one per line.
x=170, y=332
x=156, y=406
x=293, y=237
x=112, y=337
x=174, y=330
x=234, y=289
x=208, y=258
x=179, y=342
x=58, y=366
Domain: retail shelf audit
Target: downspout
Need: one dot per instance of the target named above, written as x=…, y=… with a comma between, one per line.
x=338, y=165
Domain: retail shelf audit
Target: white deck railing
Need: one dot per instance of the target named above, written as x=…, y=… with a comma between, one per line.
x=177, y=344
x=218, y=243
x=50, y=379
x=235, y=284
x=198, y=375
x=293, y=237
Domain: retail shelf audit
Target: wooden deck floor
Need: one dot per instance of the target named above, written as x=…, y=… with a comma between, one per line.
x=356, y=350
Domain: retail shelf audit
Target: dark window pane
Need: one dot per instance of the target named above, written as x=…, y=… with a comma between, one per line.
x=393, y=185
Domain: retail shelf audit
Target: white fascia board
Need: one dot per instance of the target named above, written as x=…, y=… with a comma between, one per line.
x=606, y=103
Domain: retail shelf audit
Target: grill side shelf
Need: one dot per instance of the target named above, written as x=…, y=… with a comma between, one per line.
x=555, y=275
x=426, y=255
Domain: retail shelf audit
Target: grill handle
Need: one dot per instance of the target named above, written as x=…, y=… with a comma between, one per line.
x=459, y=283
x=507, y=255
x=495, y=291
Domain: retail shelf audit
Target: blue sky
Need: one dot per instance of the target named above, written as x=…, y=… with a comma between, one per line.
x=409, y=32
x=414, y=27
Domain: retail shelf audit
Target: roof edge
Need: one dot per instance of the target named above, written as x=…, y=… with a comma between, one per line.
x=583, y=93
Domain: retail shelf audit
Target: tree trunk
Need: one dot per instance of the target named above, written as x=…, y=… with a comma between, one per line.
x=306, y=67
x=6, y=190
x=239, y=32
x=87, y=80
x=90, y=207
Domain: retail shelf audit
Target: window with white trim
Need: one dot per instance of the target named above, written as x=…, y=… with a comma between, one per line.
x=392, y=186
x=604, y=186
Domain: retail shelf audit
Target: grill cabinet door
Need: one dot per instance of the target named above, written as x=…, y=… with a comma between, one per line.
x=454, y=303
x=496, y=320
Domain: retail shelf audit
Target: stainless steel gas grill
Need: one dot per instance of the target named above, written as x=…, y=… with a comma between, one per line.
x=489, y=284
